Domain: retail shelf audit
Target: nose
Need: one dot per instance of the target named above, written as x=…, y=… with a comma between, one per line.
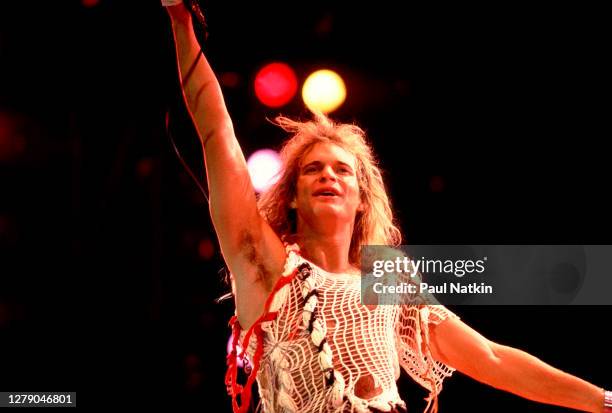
x=327, y=172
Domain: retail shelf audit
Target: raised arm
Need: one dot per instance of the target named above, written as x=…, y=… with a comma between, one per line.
x=253, y=253
x=461, y=347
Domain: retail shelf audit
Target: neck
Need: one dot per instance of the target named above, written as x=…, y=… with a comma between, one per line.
x=328, y=250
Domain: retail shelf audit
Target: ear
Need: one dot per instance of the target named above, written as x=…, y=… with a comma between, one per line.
x=293, y=204
x=361, y=207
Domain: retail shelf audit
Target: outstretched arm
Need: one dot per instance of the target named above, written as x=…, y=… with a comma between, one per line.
x=461, y=347
x=252, y=251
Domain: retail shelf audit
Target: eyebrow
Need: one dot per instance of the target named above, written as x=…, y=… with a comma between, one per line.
x=319, y=163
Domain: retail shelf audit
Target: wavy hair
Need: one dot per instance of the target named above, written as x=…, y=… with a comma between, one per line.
x=374, y=225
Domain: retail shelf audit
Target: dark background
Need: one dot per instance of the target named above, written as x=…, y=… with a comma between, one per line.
x=488, y=120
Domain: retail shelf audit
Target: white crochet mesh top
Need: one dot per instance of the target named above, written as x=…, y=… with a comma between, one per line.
x=325, y=351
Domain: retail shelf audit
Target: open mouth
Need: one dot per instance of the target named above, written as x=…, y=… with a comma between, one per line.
x=326, y=193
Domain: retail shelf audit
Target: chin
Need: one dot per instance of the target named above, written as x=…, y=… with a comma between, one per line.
x=327, y=211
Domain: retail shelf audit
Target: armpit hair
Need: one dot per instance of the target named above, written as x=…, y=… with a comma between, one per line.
x=247, y=247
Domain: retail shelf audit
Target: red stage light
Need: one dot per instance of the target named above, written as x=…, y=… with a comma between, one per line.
x=90, y=3
x=275, y=84
x=206, y=249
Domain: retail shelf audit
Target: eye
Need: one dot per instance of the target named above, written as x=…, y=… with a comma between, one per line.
x=309, y=169
x=345, y=170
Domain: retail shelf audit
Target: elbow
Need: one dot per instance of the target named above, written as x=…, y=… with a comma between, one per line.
x=495, y=353
x=491, y=367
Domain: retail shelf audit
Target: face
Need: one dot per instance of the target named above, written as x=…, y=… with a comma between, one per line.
x=327, y=186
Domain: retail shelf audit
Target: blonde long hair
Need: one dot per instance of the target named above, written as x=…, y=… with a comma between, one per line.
x=374, y=225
